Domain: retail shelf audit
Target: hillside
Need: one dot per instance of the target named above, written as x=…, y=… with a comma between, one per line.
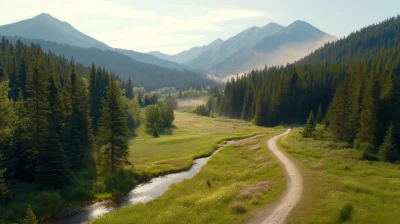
x=149, y=76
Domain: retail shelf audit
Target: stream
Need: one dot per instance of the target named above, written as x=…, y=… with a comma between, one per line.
x=142, y=193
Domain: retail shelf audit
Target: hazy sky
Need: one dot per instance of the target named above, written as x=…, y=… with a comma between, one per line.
x=175, y=25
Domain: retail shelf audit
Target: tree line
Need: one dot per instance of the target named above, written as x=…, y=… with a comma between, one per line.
x=351, y=85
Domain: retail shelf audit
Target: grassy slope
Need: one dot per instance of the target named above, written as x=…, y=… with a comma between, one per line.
x=334, y=176
x=233, y=171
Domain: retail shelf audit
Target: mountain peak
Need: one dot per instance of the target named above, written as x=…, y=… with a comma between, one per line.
x=300, y=23
x=45, y=16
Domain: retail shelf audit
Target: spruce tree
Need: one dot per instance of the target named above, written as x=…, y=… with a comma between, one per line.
x=78, y=133
x=388, y=150
x=310, y=126
x=39, y=110
x=96, y=95
x=55, y=166
x=129, y=89
x=368, y=118
x=30, y=217
x=113, y=129
x=3, y=185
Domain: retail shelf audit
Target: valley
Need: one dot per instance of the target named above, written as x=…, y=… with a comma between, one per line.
x=208, y=112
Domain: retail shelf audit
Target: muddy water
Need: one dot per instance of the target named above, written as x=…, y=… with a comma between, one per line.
x=140, y=194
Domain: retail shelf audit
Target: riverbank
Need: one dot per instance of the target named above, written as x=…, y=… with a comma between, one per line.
x=236, y=183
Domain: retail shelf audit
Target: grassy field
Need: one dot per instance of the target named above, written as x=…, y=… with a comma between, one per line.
x=339, y=187
x=235, y=183
x=193, y=136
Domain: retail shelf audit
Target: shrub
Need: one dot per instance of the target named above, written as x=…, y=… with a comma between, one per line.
x=47, y=204
x=99, y=187
x=79, y=193
x=357, y=143
x=120, y=182
x=202, y=110
x=345, y=213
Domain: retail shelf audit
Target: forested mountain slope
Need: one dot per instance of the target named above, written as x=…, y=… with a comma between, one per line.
x=352, y=85
x=147, y=75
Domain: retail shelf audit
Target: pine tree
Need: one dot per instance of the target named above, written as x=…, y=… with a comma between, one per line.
x=3, y=185
x=38, y=107
x=78, y=133
x=30, y=217
x=388, y=150
x=57, y=109
x=368, y=117
x=113, y=130
x=129, y=89
x=55, y=168
x=7, y=115
x=310, y=126
x=96, y=95
x=320, y=115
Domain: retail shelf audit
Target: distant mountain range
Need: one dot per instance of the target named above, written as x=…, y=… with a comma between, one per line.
x=188, y=55
x=46, y=27
x=252, y=48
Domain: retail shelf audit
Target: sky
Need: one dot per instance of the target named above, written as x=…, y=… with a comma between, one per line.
x=171, y=26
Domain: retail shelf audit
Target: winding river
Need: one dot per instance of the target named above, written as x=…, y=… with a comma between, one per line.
x=142, y=193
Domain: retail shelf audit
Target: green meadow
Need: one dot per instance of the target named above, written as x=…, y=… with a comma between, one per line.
x=339, y=187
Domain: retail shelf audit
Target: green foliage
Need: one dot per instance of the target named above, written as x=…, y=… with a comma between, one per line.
x=202, y=110
x=388, y=150
x=30, y=217
x=320, y=114
x=3, y=185
x=47, y=204
x=113, y=130
x=55, y=173
x=129, y=89
x=310, y=126
x=132, y=110
x=167, y=105
x=153, y=117
x=345, y=213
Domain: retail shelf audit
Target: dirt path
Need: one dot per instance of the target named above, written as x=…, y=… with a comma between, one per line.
x=294, y=186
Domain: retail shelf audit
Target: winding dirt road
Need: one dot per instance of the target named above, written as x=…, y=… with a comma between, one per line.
x=294, y=186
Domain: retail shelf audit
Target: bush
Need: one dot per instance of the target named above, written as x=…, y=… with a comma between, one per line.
x=120, y=182
x=79, y=193
x=357, y=143
x=47, y=204
x=99, y=187
x=202, y=110
x=345, y=213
